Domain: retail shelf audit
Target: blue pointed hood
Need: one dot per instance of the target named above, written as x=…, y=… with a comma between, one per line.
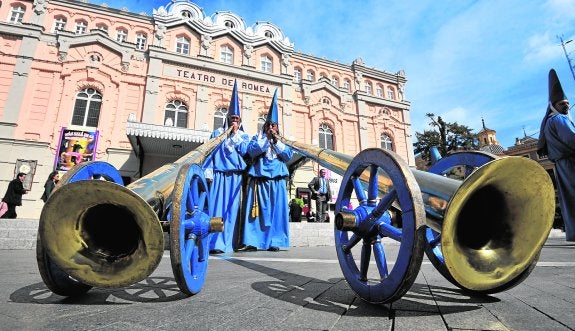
x=273, y=112
x=234, y=108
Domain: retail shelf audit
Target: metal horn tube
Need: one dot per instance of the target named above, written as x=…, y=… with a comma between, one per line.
x=106, y=235
x=493, y=224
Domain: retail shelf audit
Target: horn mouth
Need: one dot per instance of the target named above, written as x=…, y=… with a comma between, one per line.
x=497, y=222
x=102, y=234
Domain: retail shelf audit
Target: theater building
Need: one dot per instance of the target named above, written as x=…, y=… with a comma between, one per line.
x=81, y=82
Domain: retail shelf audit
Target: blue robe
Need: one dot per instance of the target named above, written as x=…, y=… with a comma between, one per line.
x=269, y=173
x=560, y=135
x=225, y=165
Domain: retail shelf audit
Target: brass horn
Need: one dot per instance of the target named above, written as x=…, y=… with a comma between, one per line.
x=493, y=224
x=105, y=235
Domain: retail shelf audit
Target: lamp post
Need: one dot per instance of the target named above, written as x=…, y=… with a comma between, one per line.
x=563, y=43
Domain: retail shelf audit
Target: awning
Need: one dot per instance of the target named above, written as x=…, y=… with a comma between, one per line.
x=162, y=140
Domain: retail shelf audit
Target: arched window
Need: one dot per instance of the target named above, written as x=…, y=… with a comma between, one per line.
x=297, y=75
x=17, y=14
x=176, y=114
x=261, y=122
x=59, y=24
x=347, y=85
x=121, y=35
x=311, y=76
x=335, y=81
x=182, y=45
x=226, y=54
x=81, y=27
x=87, y=108
x=325, y=137
x=390, y=93
x=220, y=117
x=141, y=41
x=266, y=64
x=368, y=88
x=379, y=91
x=386, y=142
x=186, y=14
x=102, y=27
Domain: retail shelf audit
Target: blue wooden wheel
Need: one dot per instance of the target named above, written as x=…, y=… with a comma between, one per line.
x=470, y=160
x=56, y=279
x=189, y=229
x=389, y=222
x=92, y=170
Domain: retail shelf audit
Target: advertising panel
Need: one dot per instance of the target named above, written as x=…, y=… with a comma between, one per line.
x=75, y=147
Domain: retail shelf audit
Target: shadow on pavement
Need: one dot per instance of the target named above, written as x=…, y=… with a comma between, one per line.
x=151, y=289
x=334, y=295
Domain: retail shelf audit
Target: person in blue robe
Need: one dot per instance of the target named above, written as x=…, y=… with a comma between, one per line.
x=557, y=141
x=267, y=213
x=225, y=166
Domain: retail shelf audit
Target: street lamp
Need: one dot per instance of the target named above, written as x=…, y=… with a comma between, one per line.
x=563, y=43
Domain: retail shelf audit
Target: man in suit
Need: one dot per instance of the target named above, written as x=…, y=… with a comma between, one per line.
x=322, y=192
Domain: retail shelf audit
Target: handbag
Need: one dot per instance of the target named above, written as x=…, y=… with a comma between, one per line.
x=3, y=208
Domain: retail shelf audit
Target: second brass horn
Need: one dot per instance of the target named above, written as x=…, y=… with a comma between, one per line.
x=105, y=235
x=493, y=224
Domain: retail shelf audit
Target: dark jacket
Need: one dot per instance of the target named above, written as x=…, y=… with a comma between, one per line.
x=48, y=188
x=314, y=186
x=14, y=192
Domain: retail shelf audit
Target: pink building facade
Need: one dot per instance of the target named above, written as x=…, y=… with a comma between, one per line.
x=82, y=82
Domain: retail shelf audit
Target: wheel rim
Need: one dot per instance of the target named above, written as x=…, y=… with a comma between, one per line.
x=372, y=221
x=189, y=229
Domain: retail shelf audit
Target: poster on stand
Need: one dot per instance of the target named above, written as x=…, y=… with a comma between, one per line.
x=75, y=147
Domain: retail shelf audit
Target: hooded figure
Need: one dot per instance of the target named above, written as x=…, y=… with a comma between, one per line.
x=557, y=141
x=267, y=213
x=224, y=167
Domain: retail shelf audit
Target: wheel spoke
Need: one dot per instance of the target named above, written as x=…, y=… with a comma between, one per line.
x=372, y=188
x=384, y=204
x=351, y=243
x=379, y=255
x=388, y=230
x=359, y=191
x=365, y=257
x=189, y=247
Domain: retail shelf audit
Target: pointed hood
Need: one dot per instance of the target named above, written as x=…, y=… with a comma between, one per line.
x=555, y=94
x=555, y=90
x=273, y=112
x=234, y=108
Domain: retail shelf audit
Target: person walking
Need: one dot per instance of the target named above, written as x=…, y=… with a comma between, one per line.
x=321, y=192
x=557, y=142
x=226, y=165
x=13, y=196
x=49, y=185
x=266, y=214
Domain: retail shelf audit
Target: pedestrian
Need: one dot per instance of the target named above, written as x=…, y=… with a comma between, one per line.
x=295, y=208
x=557, y=142
x=266, y=213
x=226, y=165
x=321, y=193
x=49, y=185
x=13, y=196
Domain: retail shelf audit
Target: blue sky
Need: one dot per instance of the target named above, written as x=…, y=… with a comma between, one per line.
x=464, y=59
